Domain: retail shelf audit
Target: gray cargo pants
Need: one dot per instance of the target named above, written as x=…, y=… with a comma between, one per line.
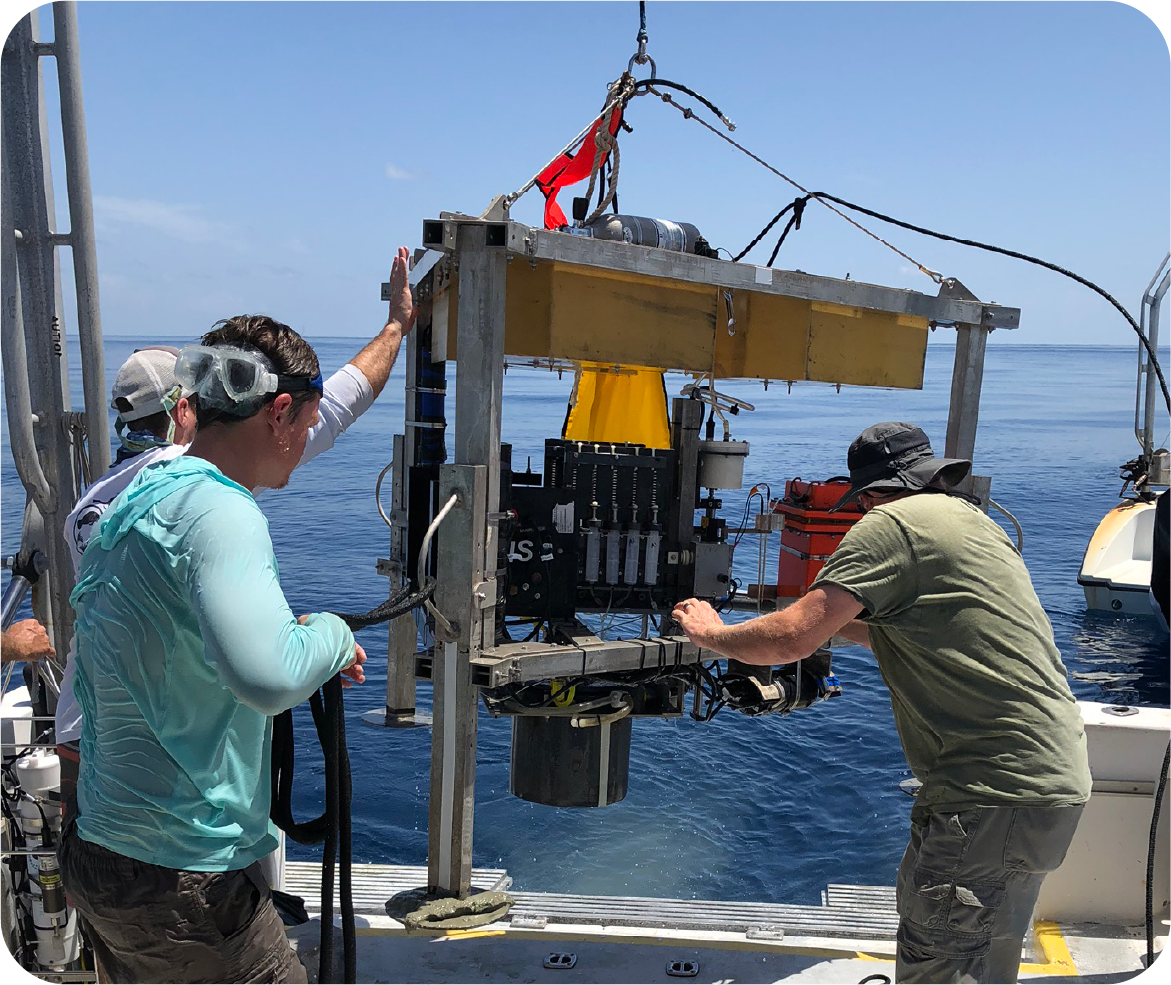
x=967, y=886
x=152, y=924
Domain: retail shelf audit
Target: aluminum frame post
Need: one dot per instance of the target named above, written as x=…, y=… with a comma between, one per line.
x=402, y=632
x=466, y=568
x=964, y=412
x=26, y=159
x=81, y=234
x=459, y=570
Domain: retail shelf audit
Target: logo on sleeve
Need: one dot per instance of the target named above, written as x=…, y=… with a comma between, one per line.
x=86, y=523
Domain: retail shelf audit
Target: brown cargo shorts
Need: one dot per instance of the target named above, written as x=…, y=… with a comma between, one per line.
x=147, y=923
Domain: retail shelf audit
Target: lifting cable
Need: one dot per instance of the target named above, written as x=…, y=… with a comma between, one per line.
x=1154, y=361
x=825, y=198
x=690, y=115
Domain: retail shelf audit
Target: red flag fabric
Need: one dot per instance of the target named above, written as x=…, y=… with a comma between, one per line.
x=568, y=169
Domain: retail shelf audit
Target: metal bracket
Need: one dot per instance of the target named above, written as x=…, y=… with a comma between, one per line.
x=952, y=287
x=510, y=663
x=528, y=921
x=388, y=568
x=485, y=594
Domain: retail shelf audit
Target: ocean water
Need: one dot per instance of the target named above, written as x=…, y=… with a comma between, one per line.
x=767, y=809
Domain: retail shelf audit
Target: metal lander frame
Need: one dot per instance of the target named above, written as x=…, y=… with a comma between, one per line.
x=498, y=287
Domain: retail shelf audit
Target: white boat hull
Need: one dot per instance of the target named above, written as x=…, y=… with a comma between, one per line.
x=1116, y=570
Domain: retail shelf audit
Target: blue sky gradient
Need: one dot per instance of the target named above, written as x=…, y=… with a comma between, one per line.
x=270, y=156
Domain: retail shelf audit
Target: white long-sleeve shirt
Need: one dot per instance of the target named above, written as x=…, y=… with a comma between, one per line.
x=348, y=395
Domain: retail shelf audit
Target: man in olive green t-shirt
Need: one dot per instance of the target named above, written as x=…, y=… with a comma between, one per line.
x=980, y=698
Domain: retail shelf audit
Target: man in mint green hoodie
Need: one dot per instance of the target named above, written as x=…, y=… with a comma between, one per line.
x=185, y=648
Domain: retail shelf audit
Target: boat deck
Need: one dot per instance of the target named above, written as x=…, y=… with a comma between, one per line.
x=556, y=937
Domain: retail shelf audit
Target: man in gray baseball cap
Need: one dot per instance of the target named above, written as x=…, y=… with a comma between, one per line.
x=980, y=698
x=144, y=395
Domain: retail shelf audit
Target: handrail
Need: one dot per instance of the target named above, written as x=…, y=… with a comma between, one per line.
x=17, y=396
x=1144, y=410
x=81, y=234
x=14, y=594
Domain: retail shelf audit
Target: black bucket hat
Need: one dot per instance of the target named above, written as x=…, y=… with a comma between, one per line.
x=897, y=457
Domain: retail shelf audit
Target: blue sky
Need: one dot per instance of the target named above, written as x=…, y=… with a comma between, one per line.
x=270, y=156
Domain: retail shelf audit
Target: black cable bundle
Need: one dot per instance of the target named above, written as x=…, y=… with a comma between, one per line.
x=1151, y=847
x=401, y=602
x=332, y=827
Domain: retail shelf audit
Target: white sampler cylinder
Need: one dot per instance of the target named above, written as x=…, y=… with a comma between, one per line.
x=721, y=464
x=39, y=773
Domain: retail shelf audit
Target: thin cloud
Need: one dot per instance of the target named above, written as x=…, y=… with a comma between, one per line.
x=395, y=173
x=182, y=222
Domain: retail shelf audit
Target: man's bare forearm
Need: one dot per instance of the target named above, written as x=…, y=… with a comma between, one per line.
x=778, y=638
x=764, y=641
x=377, y=358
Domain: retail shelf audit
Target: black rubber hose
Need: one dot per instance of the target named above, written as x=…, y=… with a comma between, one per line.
x=1151, y=354
x=1151, y=857
x=401, y=602
x=332, y=827
x=326, y=969
x=345, y=849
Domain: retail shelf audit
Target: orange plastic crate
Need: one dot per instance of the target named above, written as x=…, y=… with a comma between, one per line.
x=810, y=533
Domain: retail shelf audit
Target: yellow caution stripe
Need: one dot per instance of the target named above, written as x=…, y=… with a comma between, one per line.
x=1050, y=943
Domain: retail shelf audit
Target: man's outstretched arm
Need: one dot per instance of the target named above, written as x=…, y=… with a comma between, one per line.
x=352, y=389
x=780, y=637
x=377, y=358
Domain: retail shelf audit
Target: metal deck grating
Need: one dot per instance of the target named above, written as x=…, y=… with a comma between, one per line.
x=849, y=911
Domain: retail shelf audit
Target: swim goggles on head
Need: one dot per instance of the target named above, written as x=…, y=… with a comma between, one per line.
x=226, y=377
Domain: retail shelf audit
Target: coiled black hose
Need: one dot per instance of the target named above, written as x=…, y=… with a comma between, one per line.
x=1151, y=856
x=332, y=828
x=402, y=602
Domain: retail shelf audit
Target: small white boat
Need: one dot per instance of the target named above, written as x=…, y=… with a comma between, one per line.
x=1130, y=544
x=1116, y=570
